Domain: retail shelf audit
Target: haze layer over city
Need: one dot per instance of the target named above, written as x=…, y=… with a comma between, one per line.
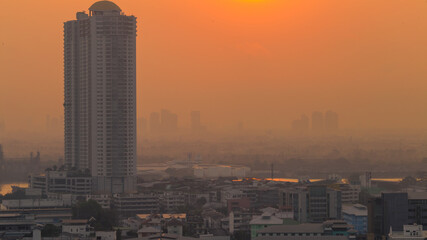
x=213, y=120
x=250, y=68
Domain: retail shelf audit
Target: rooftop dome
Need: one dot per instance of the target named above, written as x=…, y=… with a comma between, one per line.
x=104, y=6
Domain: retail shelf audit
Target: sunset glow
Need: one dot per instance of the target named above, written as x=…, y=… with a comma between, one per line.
x=290, y=56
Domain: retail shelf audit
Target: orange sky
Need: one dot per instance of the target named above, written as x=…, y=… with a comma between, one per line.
x=262, y=62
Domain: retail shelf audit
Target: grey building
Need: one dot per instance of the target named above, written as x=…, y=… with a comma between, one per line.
x=396, y=210
x=328, y=230
x=316, y=204
x=61, y=182
x=128, y=205
x=100, y=96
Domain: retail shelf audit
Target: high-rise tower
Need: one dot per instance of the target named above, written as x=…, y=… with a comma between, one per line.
x=317, y=122
x=195, y=121
x=100, y=96
x=331, y=121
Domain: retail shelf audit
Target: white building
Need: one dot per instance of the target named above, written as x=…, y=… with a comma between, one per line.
x=106, y=235
x=78, y=227
x=410, y=232
x=100, y=96
x=61, y=182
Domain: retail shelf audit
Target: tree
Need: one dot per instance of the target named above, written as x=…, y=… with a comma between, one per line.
x=200, y=202
x=119, y=234
x=241, y=235
x=105, y=219
x=51, y=230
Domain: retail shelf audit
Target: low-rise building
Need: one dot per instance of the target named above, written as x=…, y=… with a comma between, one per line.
x=349, y=193
x=16, y=229
x=105, y=235
x=174, y=226
x=130, y=204
x=356, y=215
x=105, y=200
x=173, y=201
x=237, y=221
x=31, y=204
x=326, y=230
x=263, y=221
x=62, y=182
x=410, y=232
x=76, y=227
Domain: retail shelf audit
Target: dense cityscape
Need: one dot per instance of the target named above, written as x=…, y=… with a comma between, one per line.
x=101, y=171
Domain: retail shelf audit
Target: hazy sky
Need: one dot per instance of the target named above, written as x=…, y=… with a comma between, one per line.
x=263, y=62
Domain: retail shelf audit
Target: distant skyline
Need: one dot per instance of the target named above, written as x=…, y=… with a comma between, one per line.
x=261, y=63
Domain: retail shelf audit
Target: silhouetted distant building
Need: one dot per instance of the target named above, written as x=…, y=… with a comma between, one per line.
x=331, y=121
x=142, y=127
x=154, y=122
x=100, y=96
x=196, y=125
x=2, y=126
x=1, y=155
x=53, y=124
x=317, y=123
x=169, y=121
x=195, y=120
x=301, y=126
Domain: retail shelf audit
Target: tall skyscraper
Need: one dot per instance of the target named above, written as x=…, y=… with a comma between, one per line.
x=1, y=156
x=2, y=126
x=301, y=126
x=195, y=121
x=317, y=123
x=331, y=121
x=169, y=121
x=154, y=123
x=100, y=96
x=142, y=127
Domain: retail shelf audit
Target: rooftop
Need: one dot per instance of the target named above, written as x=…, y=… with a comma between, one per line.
x=102, y=6
x=267, y=219
x=300, y=228
x=357, y=210
x=74, y=221
x=417, y=195
x=302, y=238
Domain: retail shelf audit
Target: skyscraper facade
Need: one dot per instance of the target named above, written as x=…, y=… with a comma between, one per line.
x=154, y=122
x=195, y=121
x=100, y=96
x=301, y=126
x=331, y=121
x=169, y=121
x=317, y=122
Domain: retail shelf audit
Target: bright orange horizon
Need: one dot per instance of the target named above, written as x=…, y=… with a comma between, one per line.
x=262, y=62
